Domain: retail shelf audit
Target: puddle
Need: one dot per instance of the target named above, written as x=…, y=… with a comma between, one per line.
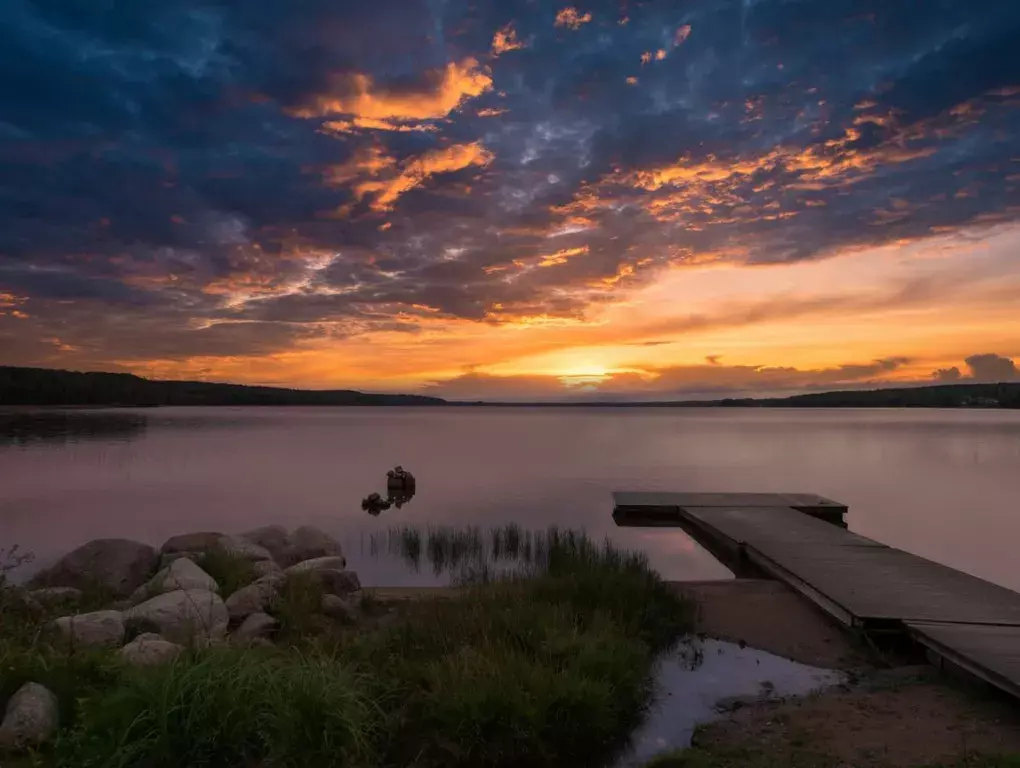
x=704, y=679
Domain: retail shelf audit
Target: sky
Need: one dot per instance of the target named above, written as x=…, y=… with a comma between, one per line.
x=513, y=199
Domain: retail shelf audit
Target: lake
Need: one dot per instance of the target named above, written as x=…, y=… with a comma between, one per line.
x=941, y=484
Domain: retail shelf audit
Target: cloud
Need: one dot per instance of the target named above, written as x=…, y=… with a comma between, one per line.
x=571, y=18
x=359, y=95
x=987, y=367
x=992, y=368
x=505, y=39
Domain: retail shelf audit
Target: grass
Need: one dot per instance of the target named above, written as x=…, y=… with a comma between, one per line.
x=698, y=757
x=547, y=664
x=230, y=571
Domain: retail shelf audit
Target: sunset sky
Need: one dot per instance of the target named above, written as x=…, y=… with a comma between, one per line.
x=513, y=199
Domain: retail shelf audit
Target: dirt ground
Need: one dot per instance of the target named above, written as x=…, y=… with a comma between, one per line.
x=896, y=713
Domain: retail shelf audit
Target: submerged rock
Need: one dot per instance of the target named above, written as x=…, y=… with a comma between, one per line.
x=117, y=565
x=99, y=629
x=148, y=649
x=182, y=616
x=31, y=717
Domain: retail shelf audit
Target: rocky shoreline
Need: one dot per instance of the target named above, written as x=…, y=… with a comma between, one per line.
x=159, y=602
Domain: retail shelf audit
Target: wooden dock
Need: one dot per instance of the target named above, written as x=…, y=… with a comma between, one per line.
x=801, y=540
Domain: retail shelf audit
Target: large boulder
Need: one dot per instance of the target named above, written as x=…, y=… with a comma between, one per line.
x=186, y=616
x=338, y=608
x=254, y=626
x=266, y=568
x=273, y=538
x=255, y=598
x=235, y=546
x=30, y=719
x=117, y=565
x=200, y=541
x=306, y=543
x=99, y=629
x=336, y=582
x=182, y=573
x=148, y=649
x=318, y=564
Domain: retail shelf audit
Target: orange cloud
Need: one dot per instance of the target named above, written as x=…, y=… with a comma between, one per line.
x=682, y=34
x=561, y=256
x=413, y=173
x=360, y=96
x=505, y=40
x=570, y=17
x=491, y=112
x=372, y=124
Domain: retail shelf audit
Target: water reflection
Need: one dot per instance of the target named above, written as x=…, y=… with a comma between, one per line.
x=25, y=428
x=703, y=679
x=467, y=553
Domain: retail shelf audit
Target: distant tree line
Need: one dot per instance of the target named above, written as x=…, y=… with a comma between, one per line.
x=44, y=386
x=1004, y=395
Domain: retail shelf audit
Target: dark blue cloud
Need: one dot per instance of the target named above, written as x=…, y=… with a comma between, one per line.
x=174, y=162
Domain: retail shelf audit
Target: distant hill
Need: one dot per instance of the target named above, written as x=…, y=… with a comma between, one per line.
x=45, y=386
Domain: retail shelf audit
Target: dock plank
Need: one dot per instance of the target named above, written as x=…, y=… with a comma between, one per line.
x=667, y=505
x=990, y=652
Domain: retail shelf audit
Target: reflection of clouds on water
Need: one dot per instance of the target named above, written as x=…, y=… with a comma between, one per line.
x=25, y=428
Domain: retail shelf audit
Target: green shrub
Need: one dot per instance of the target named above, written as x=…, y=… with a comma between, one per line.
x=226, y=708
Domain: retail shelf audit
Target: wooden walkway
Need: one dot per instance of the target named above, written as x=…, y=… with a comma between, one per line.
x=961, y=619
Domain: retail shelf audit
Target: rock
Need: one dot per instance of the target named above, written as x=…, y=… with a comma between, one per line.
x=238, y=547
x=182, y=573
x=308, y=542
x=271, y=537
x=117, y=565
x=266, y=568
x=255, y=626
x=318, y=564
x=261, y=642
x=336, y=582
x=374, y=504
x=182, y=616
x=255, y=598
x=148, y=649
x=200, y=541
x=337, y=608
x=99, y=629
x=31, y=717
x=50, y=596
x=20, y=601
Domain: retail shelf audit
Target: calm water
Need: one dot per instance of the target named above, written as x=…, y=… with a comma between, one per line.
x=942, y=484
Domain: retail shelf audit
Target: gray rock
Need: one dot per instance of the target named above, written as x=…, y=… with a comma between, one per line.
x=336, y=582
x=338, y=608
x=99, y=629
x=117, y=565
x=31, y=717
x=168, y=559
x=191, y=616
x=201, y=541
x=318, y=564
x=255, y=598
x=266, y=568
x=50, y=596
x=148, y=649
x=308, y=542
x=182, y=573
x=238, y=547
x=256, y=625
x=271, y=537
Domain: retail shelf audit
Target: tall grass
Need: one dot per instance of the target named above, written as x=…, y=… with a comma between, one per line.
x=227, y=708
x=230, y=571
